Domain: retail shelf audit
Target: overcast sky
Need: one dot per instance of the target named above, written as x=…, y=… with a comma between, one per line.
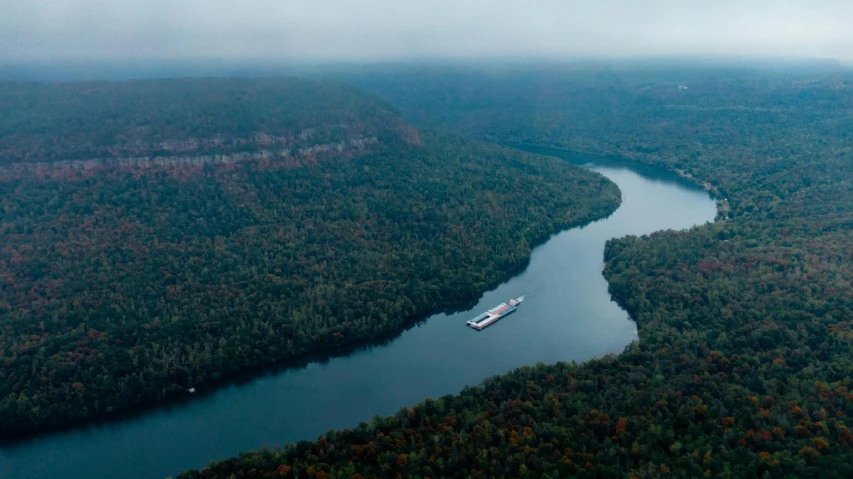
x=399, y=29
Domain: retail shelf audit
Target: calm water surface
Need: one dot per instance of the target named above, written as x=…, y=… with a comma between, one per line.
x=568, y=316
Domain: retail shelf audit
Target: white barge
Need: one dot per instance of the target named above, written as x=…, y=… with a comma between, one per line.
x=494, y=314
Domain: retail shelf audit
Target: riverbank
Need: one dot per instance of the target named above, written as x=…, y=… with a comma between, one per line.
x=568, y=316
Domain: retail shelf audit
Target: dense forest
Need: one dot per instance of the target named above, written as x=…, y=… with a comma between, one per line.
x=126, y=282
x=743, y=367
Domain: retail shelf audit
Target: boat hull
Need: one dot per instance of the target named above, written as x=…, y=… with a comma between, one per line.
x=493, y=315
x=490, y=321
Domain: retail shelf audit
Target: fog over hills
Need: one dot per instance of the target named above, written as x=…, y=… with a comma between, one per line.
x=420, y=29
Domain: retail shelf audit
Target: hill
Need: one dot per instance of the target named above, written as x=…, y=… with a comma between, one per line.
x=42, y=122
x=163, y=235
x=744, y=359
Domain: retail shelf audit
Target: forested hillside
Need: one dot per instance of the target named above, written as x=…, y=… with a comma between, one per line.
x=130, y=279
x=137, y=119
x=743, y=367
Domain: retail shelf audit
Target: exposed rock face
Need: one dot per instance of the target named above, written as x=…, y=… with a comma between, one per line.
x=351, y=145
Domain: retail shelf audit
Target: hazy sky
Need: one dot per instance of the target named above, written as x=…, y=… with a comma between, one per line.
x=395, y=29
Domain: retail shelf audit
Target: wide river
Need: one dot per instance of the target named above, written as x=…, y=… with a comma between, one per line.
x=568, y=316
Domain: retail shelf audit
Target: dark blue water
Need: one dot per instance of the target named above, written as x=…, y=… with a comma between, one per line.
x=567, y=316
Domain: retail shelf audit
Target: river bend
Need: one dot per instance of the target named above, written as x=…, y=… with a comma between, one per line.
x=568, y=315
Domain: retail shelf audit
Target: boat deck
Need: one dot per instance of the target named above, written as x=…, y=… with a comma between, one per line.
x=494, y=314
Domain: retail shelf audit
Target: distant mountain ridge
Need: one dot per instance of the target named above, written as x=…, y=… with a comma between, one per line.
x=118, y=70
x=42, y=122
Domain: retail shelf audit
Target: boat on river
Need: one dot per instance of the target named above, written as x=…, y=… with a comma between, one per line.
x=491, y=316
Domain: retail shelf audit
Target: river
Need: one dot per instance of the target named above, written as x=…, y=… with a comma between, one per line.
x=567, y=316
